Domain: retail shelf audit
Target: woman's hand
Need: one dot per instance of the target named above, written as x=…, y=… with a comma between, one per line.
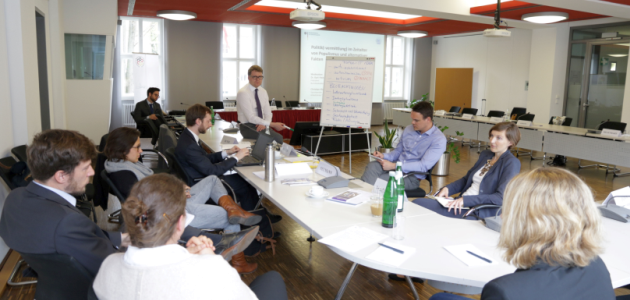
x=200, y=245
x=443, y=192
x=456, y=204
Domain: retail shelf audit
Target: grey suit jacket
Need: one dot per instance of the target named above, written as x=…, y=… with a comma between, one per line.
x=493, y=183
x=543, y=281
x=38, y=221
x=143, y=110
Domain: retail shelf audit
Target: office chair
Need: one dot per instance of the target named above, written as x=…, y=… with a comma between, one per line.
x=526, y=117
x=177, y=112
x=419, y=192
x=215, y=104
x=474, y=211
x=567, y=121
x=19, y=152
x=613, y=125
x=59, y=276
x=292, y=103
x=517, y=112
x=495, y=114
x=455, y=109
x=279, y=104
x=118, y=177
x=472, y=111
x=8, y=162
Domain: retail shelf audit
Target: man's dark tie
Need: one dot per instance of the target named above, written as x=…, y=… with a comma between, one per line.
x=258, y=107
x=151, y=108
x=199, y=142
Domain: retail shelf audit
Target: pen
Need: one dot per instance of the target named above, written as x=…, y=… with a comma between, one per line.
x=392, y=248
x=287, y=127
x=477, y=256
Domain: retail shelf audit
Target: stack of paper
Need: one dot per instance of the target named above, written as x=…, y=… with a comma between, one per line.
x=353, y=239
x=462, y=252
x=351, y=197
x=391, y=257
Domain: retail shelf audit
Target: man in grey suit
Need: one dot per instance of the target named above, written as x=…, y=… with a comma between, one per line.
x=149, y=111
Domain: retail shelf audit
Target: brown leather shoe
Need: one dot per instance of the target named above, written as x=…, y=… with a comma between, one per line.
x=241, y=265
x=236, y=215
x=233, y=243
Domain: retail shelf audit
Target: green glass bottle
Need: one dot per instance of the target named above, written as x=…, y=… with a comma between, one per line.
x=400, y=184
x=390, y=201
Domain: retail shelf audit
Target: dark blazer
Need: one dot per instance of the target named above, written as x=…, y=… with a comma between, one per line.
x=543, y=281
x=38, y=221
x=493, y=183
x=142, y=110
x=196, y=162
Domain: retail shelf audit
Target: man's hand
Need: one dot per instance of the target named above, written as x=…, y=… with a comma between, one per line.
x=232, y=150
x=153, y=117
x=200, y=245
x=242, y=153
x=277, y=126
x=125, y=240
x=260, y=128
x=387, y=165
x=378, y=154
x=443, y=192
x=187, y=190
x=456, y=204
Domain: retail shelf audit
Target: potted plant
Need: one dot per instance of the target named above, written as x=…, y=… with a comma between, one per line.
x=387, y=139
x=442, y=166
x=424, y=97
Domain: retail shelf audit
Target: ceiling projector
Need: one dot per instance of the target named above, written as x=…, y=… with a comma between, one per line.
x=307, y=15
x=494, y=32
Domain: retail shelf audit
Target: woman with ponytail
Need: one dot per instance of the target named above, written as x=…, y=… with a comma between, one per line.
x=155, y=266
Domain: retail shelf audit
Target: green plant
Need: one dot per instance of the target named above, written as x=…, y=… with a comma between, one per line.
x=450, y=146
x=424, y=97
x=388, y=138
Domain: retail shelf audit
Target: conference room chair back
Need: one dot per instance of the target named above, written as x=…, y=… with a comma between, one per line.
x=167, y=139
x=177, y=166
x=613, y=125
x=215, y=104
x=59, y=276
x=19, y=152
x=471, y=111
x=527, y=117
x=567, y=121
x=517, y=112
x=496, y=114
x=144, y=127
x=419, y=192
x=177, y=112
x=278, y=103
x=455, y=109
x=7, y=162
x=292, y=103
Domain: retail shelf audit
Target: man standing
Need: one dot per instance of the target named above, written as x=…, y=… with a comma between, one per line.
x=252, y=105
x=419, y=149
x=149, y=111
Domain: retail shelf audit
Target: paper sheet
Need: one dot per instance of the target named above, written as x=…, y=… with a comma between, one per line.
x=443, y=201
x=389, y=256
x=293, y=169
x=470, y=260
x=353, y=239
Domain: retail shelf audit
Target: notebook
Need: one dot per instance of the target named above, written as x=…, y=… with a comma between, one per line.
x=257, y=156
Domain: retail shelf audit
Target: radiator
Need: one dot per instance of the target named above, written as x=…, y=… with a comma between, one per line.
x=389, y=105
x=127, y=118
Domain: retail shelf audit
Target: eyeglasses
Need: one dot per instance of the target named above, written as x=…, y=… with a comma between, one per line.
x=257, y=77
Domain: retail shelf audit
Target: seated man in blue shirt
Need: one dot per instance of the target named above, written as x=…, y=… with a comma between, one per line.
x=419, y=149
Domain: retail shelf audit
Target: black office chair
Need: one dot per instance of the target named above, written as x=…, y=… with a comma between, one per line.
x=419, y=192
x=59, y=276
x=526, y=117
x=455, y=109
x=566, y=122
x=495, y=114
x=471, y=111
x=517, y=112
x=178, y=112
x=474, y=211
x=279, y=104
x=19, y=152
x=113, y=181
x=613, y=125
x=215, y=104
x=7, y=163
x=292, y=103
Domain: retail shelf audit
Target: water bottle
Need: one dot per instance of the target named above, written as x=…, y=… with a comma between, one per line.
x=400, y=186
x=270, y=162
x=273, y=101
x=506, y=116
x=390, y=201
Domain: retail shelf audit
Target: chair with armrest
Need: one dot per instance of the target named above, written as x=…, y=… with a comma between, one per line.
x=144, y=126
x=474, y=211
x=419, y=192
x=455, y=109
x=495, y=114
x=215, y=104
x=59, y=276
x=20, y=152
x=119, y=184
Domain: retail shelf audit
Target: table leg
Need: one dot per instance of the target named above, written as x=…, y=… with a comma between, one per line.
x=413, y=288
x=345, y=282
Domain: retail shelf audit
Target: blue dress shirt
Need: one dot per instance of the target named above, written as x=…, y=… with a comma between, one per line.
x=418, y=152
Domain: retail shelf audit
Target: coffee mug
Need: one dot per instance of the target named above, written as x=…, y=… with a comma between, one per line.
x=316, y=190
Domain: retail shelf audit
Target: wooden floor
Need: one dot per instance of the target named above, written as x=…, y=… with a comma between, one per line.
x=312, y=271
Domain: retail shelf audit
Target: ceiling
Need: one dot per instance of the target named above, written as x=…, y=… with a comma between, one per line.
x=441, y=17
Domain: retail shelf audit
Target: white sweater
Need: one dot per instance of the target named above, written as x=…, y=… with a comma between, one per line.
x=168, y=272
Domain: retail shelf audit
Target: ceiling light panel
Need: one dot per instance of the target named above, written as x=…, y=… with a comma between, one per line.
x=545, y=17
x=338, y=9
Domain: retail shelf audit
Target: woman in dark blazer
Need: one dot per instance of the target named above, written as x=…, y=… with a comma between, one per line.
x=486, y=181
x=552, y=234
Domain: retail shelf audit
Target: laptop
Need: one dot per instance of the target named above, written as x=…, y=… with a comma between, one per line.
x=257, y=156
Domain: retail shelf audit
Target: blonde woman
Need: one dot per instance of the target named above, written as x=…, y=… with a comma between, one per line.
x=551, y=233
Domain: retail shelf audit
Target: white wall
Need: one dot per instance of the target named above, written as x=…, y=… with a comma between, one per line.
x=6, y=119
x=500, y=66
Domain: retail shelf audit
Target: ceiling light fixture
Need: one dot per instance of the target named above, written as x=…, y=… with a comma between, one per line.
x=412, y=33
x=618, y=55
x=177, y=15
x=309, y=25
x=545, y=17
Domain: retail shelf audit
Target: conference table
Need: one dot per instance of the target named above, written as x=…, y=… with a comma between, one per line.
x=546, y=138
x=425, y=231
x=288, y=117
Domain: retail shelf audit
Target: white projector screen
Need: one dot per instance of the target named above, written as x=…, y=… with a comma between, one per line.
x=315, y=45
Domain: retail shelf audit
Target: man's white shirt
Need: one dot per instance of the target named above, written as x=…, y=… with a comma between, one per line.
x=246, y=105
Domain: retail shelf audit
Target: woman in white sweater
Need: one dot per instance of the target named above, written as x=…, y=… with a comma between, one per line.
x=156, y=267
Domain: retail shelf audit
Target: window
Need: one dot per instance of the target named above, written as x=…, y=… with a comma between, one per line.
x=613, y=66
x=397, y=68
x=138, y=35
x=239, y=51
x=85, y=56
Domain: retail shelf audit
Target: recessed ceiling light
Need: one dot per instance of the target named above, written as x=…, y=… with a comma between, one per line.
x=339, y=9
x=309, y=25
x=618, y=55
x=545, y=17
x=177, y=15
x=412, y=33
